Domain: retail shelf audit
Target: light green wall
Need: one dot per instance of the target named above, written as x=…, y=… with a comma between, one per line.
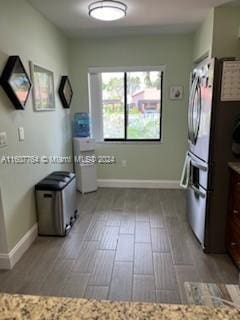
x=24, y=32
x=144, y=161
x=202, y=45
x=226, y=42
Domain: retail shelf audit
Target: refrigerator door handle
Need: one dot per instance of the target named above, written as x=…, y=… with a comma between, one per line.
x=199, y=166
x=190, y=126
x=197, y=109
x=190, y=109
x=197, y=191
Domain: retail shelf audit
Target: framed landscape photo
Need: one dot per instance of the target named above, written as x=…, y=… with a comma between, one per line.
x=176, y=93
x=16, y=82
x=43, y=88
x=65, y=92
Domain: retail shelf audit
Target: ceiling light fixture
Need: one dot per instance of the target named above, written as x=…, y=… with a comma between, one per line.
x=107, y=10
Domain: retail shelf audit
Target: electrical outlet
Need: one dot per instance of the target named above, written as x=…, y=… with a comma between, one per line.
x=124, y=163
x=3, y=139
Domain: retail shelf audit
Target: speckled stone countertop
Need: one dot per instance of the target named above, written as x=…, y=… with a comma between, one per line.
x=235, y=166
x=20, y=307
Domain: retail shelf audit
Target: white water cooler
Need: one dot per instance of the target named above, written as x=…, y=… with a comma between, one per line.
x=86, y=171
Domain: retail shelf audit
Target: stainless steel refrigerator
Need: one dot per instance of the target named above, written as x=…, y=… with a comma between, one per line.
x=214, y=110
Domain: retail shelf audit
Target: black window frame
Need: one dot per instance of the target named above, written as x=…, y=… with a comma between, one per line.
x=125, y=139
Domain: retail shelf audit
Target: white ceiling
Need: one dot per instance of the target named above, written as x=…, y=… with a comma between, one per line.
x=143, y=17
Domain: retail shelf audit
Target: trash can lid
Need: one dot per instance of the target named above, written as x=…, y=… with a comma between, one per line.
x=58, y=178
x=50, y=185
x=68, y=174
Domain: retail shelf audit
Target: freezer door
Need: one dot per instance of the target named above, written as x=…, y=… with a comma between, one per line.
x=196, y=210
x=200, y=110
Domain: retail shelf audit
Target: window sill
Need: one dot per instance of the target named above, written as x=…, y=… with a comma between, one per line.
x=129, y=142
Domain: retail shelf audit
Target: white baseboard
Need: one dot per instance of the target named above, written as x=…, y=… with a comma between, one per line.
x=8, y=260
x=147, y=184
x=4, y=261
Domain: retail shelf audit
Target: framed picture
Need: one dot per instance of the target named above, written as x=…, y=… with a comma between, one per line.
x=65, y=92
x=176, y=93
x=16, y=82
x=43, y=88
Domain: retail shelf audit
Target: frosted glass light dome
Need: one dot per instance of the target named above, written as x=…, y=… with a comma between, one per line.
x=107, y=10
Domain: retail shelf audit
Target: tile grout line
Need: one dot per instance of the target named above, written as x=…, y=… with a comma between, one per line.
x=134, y=254
x=154, y=274
x=113, y=265
x=94, y=252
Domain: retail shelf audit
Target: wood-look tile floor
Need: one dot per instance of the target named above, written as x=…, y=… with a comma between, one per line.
x=128, y=244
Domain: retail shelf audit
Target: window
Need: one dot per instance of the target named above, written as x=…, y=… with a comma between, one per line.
x=126, y=106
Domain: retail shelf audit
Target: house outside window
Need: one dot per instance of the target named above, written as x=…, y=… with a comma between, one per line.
x=126, y=105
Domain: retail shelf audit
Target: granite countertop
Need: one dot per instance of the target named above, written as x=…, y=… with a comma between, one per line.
x=35, y=308
x=235, y=166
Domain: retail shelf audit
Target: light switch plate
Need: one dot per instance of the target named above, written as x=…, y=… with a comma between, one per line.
x=3, y=139
x=21, y=134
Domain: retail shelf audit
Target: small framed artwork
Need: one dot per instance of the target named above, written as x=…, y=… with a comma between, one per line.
x=43, y=88
x=176, y=93
x=65, y=92
x=16, y=82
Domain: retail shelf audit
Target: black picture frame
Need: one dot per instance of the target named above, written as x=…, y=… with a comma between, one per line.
x=16, y=82
x=65, y=92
